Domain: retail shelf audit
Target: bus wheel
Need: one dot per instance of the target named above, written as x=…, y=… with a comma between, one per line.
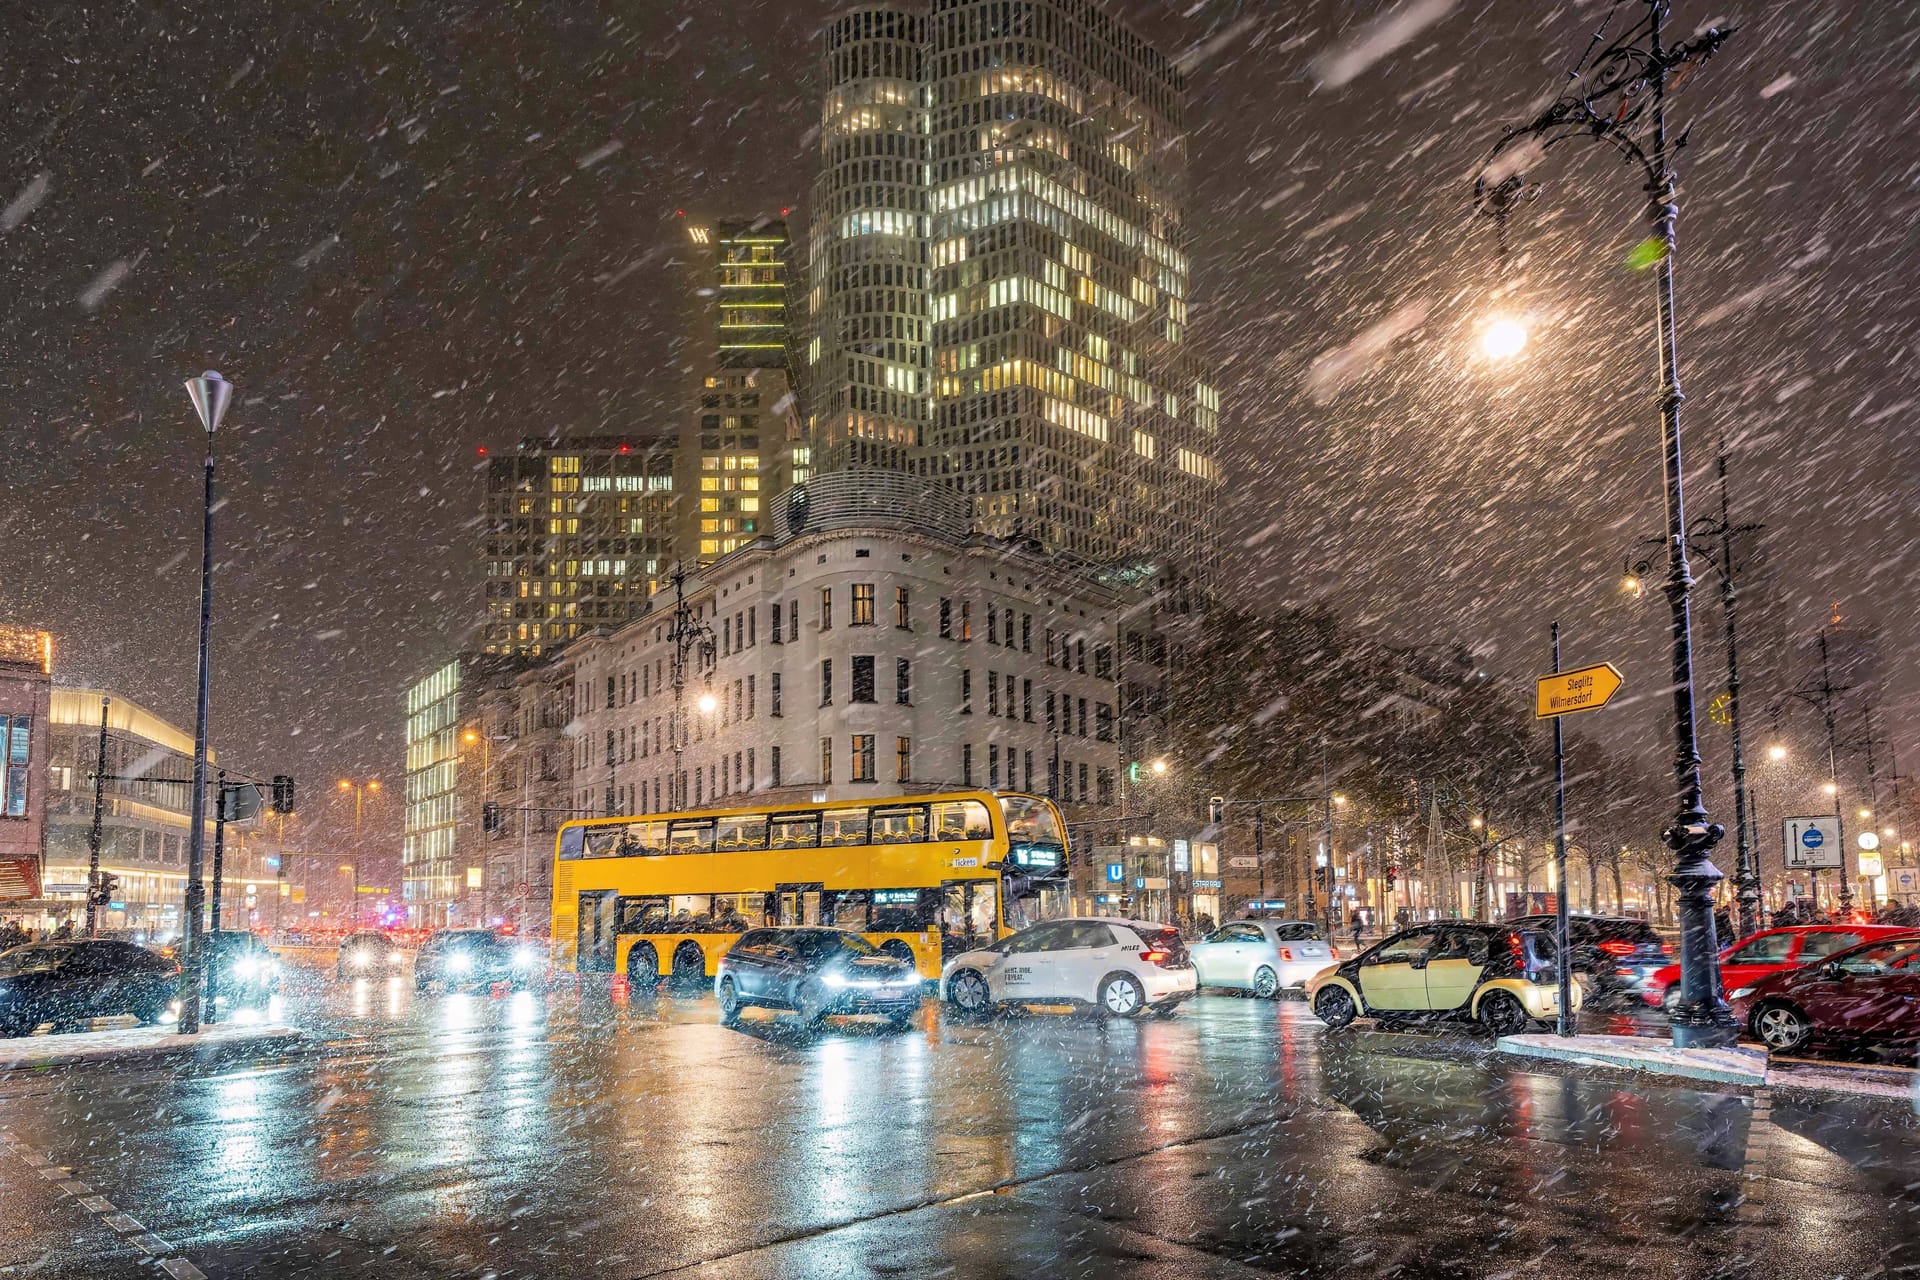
x=689, y=967
x=898, y=950
x=643, y=969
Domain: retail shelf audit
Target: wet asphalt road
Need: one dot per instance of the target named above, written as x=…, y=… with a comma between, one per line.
x=562, y=1135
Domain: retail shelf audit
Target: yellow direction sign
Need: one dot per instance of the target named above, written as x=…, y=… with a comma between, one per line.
x=1569, y=691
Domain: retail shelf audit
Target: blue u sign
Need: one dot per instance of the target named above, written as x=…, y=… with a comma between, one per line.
x=1116, y=872
x=1813, y=837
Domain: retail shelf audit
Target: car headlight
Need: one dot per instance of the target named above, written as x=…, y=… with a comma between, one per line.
x=394, y=958
x=247, y=967
x=460, y=963
x=1743, y=993
x=526, y=958
x=837, y=980
x=360, y=959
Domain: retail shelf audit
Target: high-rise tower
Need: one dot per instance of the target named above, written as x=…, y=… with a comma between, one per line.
x=998, y=282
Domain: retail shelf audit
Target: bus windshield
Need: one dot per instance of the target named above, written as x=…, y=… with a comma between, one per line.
x=1031, y=821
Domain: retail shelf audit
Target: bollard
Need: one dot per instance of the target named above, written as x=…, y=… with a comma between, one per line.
x=620, y=988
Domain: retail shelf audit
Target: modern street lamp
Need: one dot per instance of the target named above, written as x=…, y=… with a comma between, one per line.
x=359, y=790
x=211, y=394
x=1619, y=97
x=1711, y=538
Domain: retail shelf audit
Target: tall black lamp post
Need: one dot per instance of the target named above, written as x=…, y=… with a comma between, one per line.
x=1618, y=96
x=1711, y=538
x=692, y=639
x=210, y=394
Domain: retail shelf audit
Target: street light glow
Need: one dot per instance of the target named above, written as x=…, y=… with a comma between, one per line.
x=1503, y=338
x=1160, y=765
x=1776, y=752
x=707, y=702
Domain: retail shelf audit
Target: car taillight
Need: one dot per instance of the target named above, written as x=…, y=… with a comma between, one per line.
x=1665, y=949
x=1514, y=945
x=1618, y=948
x=1155, y=957
x=1286, y=953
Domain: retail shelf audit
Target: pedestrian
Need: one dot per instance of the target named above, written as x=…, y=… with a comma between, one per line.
x=1356, y=930
x=1202, y=925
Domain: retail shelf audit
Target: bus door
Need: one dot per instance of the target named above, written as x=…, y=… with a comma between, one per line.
x=969, y=915
x=796, y=904
x=595, y=945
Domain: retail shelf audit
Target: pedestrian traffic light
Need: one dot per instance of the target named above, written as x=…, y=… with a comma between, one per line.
x=1393, y=873
x=282, y=793
x=489, y=817
x=1217, y=810
x=104, y=888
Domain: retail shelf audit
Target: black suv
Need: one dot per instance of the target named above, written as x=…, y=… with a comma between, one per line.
x=476, y=958
x=816, y=972
x=67, y=982
x=1613, y=956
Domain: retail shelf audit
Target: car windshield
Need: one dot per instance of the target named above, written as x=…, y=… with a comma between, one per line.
x=31, y=960
x=1299, y=931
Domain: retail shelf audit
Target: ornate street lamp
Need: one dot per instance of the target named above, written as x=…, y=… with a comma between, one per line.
x=1618, y=97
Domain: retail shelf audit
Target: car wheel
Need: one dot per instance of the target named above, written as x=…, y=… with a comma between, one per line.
x=967, y=992
x=810, y=1002
x=729, y=1002
x=1502, y=1014
x=1333, y=1006
x=1781, y=1027
x=1266, y=983
x=1122, y=996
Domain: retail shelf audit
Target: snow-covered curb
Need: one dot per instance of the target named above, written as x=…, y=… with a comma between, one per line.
x=132, y=1042
x=1748, y=1067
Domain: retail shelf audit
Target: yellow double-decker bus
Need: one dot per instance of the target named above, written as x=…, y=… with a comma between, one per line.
x=667, y=894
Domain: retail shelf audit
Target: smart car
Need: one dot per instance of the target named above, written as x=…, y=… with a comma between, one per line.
x=817, y=972
x=1503, y=978
x=1119, y=967
x=1262, y=956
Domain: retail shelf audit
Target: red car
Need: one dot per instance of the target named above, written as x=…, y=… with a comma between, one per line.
x=1868, y=992
x=1769, y=952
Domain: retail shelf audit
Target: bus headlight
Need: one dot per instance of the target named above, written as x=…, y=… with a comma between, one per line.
x=527, y=958
x=247, y=967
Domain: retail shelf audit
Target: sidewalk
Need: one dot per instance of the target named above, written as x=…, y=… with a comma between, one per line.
x=1740, y=1066
x=134, y=1042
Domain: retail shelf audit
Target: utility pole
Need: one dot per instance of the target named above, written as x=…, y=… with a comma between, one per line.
x=93, y=832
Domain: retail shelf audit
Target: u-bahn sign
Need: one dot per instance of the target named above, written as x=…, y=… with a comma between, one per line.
x=1565, y=692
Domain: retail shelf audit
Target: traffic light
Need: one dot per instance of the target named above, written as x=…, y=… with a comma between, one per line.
x=104, y=888
x=1217, y=810
x=489, y=817
x=1393, y=873
x=282, y=793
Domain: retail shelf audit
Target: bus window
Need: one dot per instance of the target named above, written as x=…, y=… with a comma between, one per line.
x=1030, y=821
x=744, y=831
x=794, y=831
x=573, y=843
x=962, y=820
x=690, y=835
x=902, y=910
x=797, y=904
x=843, y=827
x=846, y=908
x=640, y=915
x=900, y=826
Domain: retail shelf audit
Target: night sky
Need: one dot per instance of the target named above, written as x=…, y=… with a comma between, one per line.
x=405, y=230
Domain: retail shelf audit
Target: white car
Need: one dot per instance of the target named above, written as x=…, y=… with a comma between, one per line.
x=1263, y=956
x=1122, y=967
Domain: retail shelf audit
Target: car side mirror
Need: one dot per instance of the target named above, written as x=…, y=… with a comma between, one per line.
x=1833, y=971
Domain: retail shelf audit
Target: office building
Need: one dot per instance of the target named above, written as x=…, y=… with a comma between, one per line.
x=26, y=689
x=998, y=285
x=577, y=532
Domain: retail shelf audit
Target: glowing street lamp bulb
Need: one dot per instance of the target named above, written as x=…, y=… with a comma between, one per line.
x=1830, y=788
x=707, y=702
x=1503, y=338
x=1160, y=766
x=1776, y=752
x=1342, y=800
x=345, y=785
x=1631, y=586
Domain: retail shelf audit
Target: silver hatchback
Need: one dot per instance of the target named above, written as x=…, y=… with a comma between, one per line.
x=1263, y=956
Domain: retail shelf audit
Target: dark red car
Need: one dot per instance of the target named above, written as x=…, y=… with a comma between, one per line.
x=1868, y=992
x=1769, y=952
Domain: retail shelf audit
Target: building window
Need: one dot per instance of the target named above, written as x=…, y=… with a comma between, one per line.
x=902, y=616
x=773, y=694
x=1050, y=639
x=862, y=758
x=903, y=759
x=993, y=693
x=775, y=619
x=1103, y=662
x=1083, y=717
x=826, y=682
x=793, y=618
x=826, y=608
x=1083, y=779
x=993, y=625
x=750, y=697
x=1026, y=701
x=862, y=678
x=966, y=764
x=1026, y=633
x=1013, y=712
x=1103, y=722
x=1028, y=784
x=1050, y=714
x=1053, y=778
x=903, y=681
x=860, y=612
x=826, y=761
x=966, y=691
x=16, y=737
x=1006, y=628
x=773, y=766
x=966, y=620
x=946, y=619
x=993, y=764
